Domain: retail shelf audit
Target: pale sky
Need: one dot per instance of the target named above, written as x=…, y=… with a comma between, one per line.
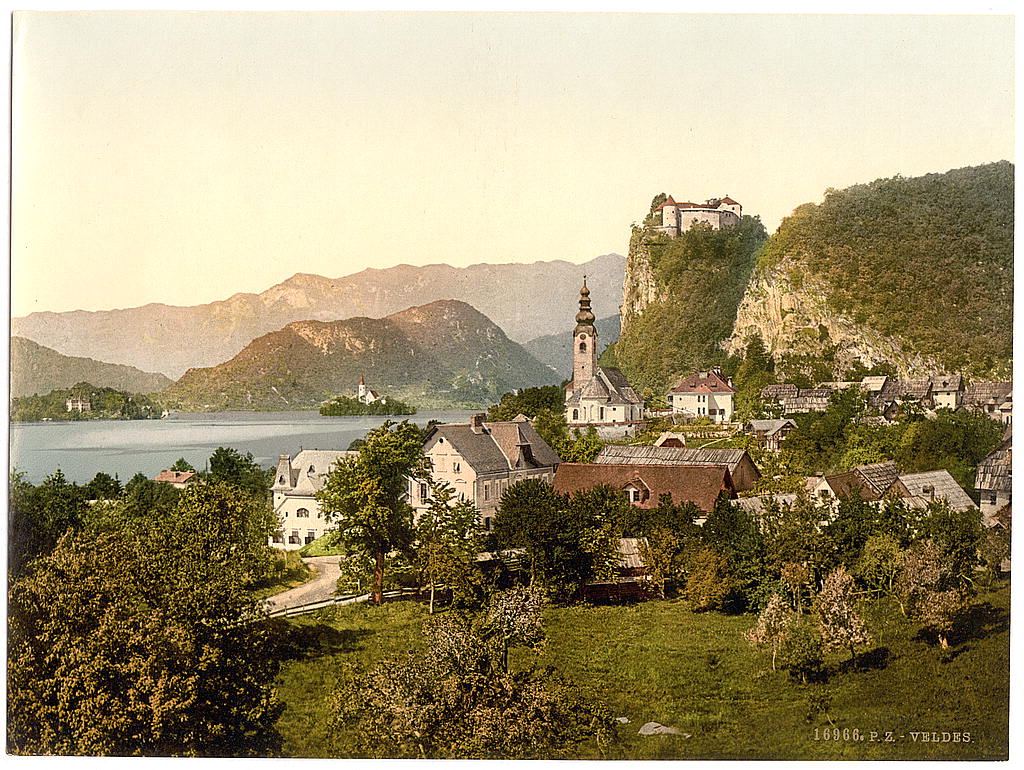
x=181, y=158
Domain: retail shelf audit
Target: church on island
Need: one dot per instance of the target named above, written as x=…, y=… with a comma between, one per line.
x=598, y=396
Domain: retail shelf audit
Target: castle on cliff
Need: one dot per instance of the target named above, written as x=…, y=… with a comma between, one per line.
x=679, y=217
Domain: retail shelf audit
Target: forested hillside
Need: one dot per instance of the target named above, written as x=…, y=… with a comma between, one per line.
x=916, y=272
x=681, y=296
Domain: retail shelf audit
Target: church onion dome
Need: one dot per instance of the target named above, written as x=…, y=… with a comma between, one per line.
x=585, y=317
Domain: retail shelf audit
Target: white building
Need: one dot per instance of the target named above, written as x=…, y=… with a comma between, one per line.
x=600, y=396
x=365, y=394
x=704, y=394
x=296, y=483
x=480, y=460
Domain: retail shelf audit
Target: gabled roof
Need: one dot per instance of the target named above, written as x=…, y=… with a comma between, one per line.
x=664, y=455
x=629, y=552
x=700, y=485
x=310, y=468
x=756, y=505
x=879, y=476
x=176, y=477
x=769, y=427
x=937, y=485
x=777, y=392
x=703, y=382
x=608, y=385
x=994, y=472
x=874, y=383
x=500, y=446
x=944, y=383
x=729, y=201
x=987, y=393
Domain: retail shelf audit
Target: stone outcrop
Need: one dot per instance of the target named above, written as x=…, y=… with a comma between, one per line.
x=639, y=287
x=791, y=313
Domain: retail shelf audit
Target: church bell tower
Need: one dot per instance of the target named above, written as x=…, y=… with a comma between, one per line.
x=584, y=341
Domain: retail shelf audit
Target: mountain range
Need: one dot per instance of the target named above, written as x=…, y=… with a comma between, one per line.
x=444, y=354
x=36, y=369
x=525, y=300
x=555, y=350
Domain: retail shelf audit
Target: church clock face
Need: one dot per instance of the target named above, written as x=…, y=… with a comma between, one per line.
x=583, y=336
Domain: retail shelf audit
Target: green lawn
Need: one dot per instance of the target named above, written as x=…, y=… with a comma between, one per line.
x=660, y=662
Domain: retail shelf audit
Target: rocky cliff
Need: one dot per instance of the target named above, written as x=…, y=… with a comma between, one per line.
x=914, y=272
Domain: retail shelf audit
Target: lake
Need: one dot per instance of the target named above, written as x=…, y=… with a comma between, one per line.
x=126, y=447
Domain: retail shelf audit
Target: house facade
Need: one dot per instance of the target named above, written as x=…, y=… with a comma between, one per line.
x=704, y=394
x=770, y=433
x=481, y=459
x=296, y=482
x=598, y=396
x=994, y=480
x=78, y=404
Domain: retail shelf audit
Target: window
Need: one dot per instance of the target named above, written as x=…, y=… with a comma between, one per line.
x=423, y=491
x=583, y=347
x=280, y=479
x=602, y=412
x=293, y=538
x=487, y=523
x=457, y=467
x=278, y=537
x=302, y=513
x=575, y=414
x=311, y=470
x=310, y=536
x=487, y=490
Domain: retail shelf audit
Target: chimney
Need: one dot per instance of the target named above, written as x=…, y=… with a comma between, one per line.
x=929, y=489
x=476, y=423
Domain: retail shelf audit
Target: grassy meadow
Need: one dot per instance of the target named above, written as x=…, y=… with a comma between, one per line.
x=659, y=661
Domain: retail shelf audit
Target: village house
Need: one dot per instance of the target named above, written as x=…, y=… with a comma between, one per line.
x=947, y=391
x=78, y=404
x=993, y=480
x=296, y=482
x=795, y=400
x=644, y=484
x=598, y=396
x=704, y=394
x=481, y=459
x=177, y=479
x=742, y=470
x=878, y=481
x=770, y=433
x=994, y=399
x=678, y=217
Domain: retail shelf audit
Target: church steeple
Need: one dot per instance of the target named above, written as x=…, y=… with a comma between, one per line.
x=584, y=341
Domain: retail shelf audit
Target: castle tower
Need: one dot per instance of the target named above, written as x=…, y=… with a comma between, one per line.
x=584, y=341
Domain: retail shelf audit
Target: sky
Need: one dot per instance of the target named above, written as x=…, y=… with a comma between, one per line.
x=184, y=157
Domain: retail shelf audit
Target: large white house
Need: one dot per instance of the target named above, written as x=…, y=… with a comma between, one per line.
x=600, y=396
x=704, y=394
x=296, y=483
x=480, y=460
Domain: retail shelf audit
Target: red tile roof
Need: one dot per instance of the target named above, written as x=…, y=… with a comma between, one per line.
x=730, y=201
x=703, y=382
x=700, y=485
x=175, y=477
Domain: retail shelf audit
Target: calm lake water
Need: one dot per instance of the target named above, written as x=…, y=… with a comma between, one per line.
x=126, y=447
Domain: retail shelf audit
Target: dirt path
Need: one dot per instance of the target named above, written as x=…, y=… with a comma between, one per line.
x=321, y=587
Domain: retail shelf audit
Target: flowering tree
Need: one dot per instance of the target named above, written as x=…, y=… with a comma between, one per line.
x=514, y=619
x=931, y=590
x=836, y=610
x=772, y=626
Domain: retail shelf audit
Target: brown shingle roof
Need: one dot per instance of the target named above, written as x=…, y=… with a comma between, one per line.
x=175, y=477
x=700, y=485
x=994, y=471
x=987, y=393
x=880, y=476
x=664, y=455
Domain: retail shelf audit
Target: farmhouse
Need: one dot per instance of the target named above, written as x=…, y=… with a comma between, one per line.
x=993, y=480
x=480, y=460
x=743, y=472
x=644, y=484
x=770, y=433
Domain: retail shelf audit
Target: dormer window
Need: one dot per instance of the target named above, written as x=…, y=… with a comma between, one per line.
x=280, y=480
x=311, y=470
